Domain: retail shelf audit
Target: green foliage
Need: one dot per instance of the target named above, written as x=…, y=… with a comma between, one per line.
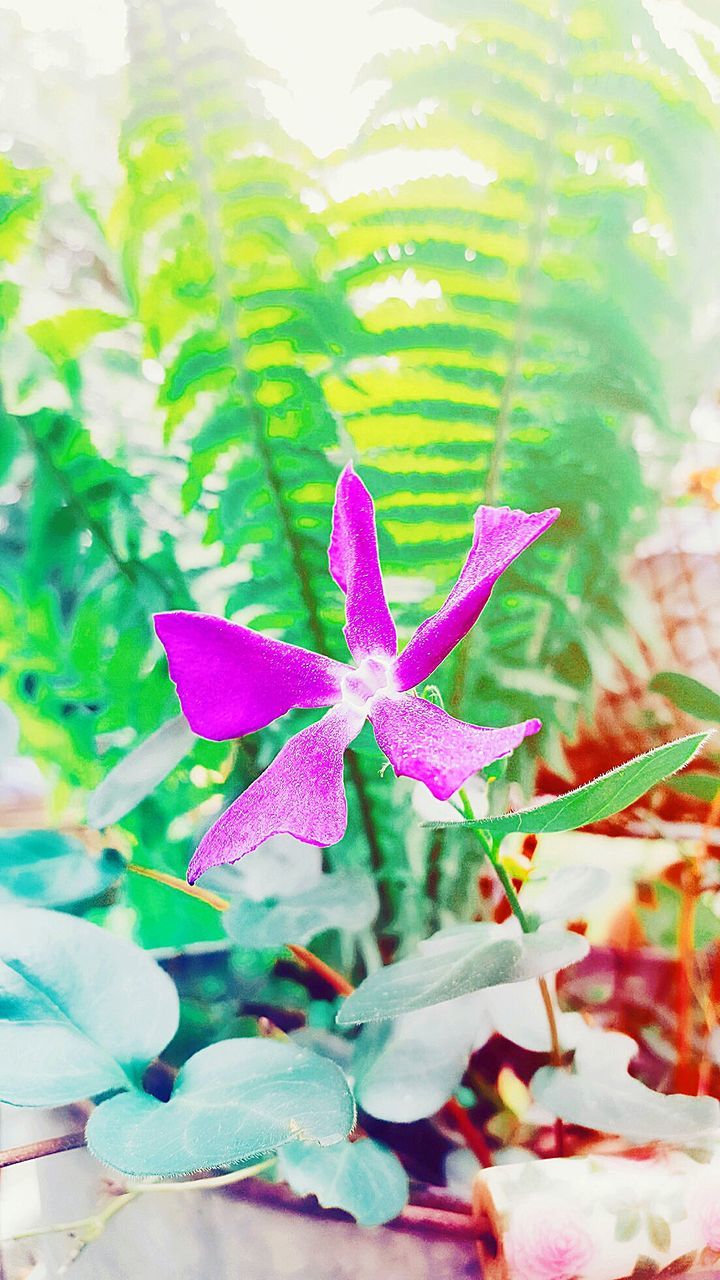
x=660, y=922
x=49, y=869
x=456, y=963
x=600, y=798
x=20, y=205
x=171, y=424
x=688, y=695
x=273, y=338
x=363, y=1178
x=600, y=1094
x=345, y=900
x=271, y=1094
x=83, y=1012
x=505, y=305
x=219, y=252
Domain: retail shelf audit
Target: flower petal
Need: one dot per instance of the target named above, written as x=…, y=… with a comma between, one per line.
x=354, y=564
x=232, y=681
x=500, y=536
x=422, y=741
x=300, y=794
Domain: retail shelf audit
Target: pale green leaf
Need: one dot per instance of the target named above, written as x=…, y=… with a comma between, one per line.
x=363, y=1178
x=232, y=1102
x=476, y=957
x=346, y=900
x=140, y=772
x=81, y=1011
x=599, y=1094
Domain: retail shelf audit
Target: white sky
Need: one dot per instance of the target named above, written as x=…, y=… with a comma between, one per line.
x=318, y=46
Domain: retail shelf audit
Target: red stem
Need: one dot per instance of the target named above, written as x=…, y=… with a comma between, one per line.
x=474, y=1139
x=47, y=1147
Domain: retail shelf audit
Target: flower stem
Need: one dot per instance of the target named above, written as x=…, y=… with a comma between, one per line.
x=514, y=903
x=474, y=1139
x=218, y=903
x=174, y=882
x=331, y=976
x=93, y=1224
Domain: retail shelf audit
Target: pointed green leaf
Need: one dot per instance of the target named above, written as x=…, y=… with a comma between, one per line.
x=232, y=1102
x=600, y=798
x=704, y=786
x=689, y=695
x=81, y=1011
x=363, y=1178
x=140, y=772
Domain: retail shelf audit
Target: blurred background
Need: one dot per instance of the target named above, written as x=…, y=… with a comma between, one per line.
x=472, y=244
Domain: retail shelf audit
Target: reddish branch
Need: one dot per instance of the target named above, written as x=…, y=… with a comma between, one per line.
x=474, y=1139
x=48, y=1147
x=214, y=900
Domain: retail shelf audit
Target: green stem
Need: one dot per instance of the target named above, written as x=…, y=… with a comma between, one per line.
x=490, y=852
x=92, y=1226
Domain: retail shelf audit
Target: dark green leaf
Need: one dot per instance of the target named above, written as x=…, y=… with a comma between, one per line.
x=689, y=695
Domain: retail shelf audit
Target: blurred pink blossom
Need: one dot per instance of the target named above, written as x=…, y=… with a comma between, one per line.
x=546, y=1241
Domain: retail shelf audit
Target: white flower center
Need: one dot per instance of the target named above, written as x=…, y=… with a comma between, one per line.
x=372, y=676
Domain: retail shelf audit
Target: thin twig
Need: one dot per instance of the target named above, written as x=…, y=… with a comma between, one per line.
x=94, y=1222
x=46, y=1147
x=218, y=903
x=474, y=1139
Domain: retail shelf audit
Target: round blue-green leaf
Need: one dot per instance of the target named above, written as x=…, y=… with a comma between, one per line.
x=50, y=869
x=232, y=1102
x=346, y=900
x=363, y=1178
x=81, y=1011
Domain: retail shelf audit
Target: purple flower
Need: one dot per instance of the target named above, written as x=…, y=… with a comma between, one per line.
x=231, y=681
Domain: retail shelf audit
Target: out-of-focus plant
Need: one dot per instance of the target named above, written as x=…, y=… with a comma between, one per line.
x=175, y=416
x=481, y=334
x=289, y=1102
x=521, y=305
